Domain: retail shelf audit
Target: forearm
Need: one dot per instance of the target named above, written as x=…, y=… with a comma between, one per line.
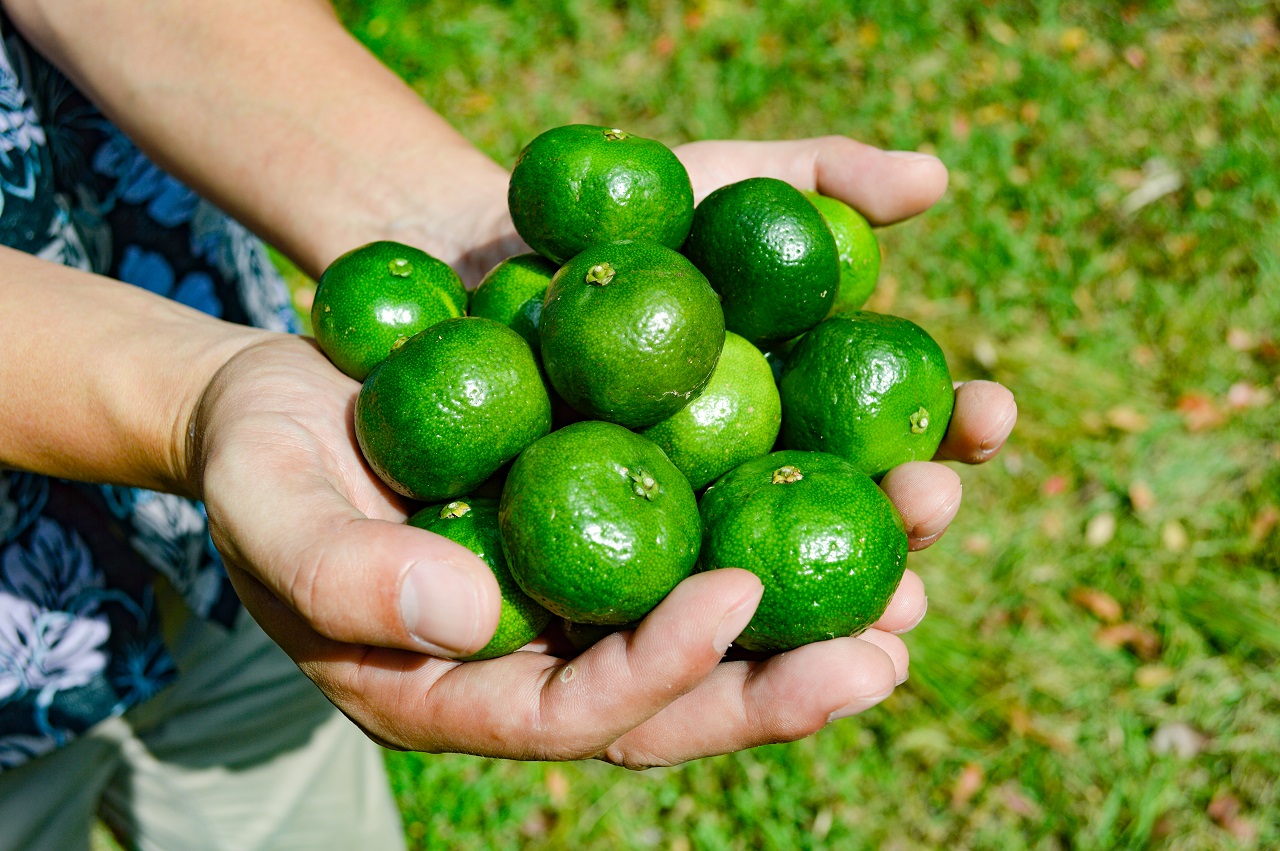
x=270, y=109
x=98, y=379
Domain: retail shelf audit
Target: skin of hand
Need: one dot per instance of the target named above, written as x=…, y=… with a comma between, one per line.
x=368, y=607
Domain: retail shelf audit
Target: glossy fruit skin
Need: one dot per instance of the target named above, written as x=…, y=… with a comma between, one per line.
x=829, y=546
x=871, y=388
x=637, y=348
x=378, y=294
x=735, y=419
x=449, y=407
x=768, y=252
x=857, y=247
x=473, y=522
x=512, y=293
x=579, y=185
x=598, y=526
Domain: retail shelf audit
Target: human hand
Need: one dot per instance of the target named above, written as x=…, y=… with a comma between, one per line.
x=318, y=551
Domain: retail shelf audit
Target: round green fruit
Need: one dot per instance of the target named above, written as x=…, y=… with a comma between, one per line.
x=736, y=417
x=374, y=297
x=827, y=544
x=598, y=526
x=857, y=247
x=512, y=293
x=473, y=522
x=768, y=252
x=630, y=332
x=871, y=388
x=579, y=185
x=449, y=407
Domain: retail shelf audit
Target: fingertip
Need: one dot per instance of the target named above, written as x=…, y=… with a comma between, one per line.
x=984, y=416
x=907, y=607
x=449, y=600
x=927, y=496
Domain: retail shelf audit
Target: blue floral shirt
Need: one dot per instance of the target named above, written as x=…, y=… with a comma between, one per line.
x=79, y=633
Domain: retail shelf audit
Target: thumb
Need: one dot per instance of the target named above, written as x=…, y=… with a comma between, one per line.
x=365, y=581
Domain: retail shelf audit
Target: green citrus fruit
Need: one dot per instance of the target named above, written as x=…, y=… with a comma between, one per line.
x=769, y=254
x=512, y=294
x=378, y=295
x=857, y=247
x=598, y=526
x=735, y=419
x=473, y=522
x=827, y=544
x=447, y=408
x=871, y=388
x=578, y=185
x=630, y=332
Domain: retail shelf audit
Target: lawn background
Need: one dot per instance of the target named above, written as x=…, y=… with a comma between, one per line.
x=1097, y=669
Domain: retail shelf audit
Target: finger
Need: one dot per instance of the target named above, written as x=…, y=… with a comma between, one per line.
x=885, y=186
x=984, y=416
x=907, y=606
x=365, y=581
x=784, y=698
x=525, y=705
x=927, y=496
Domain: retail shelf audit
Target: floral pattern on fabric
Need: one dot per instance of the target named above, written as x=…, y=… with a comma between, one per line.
x=79, y=630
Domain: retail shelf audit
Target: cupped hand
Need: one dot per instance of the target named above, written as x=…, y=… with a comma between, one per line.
x=372, y=609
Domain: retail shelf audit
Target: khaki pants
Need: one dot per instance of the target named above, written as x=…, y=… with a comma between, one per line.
x=242, y=752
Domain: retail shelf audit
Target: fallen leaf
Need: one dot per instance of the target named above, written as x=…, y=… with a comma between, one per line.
x=1054, y=485
x=1179, y=739
x=1100, y=529
x=1241, y=340
x=1140, y=641
x=1141, y=496
x=1018, y=802
x=1135, y=56
x=1263, y=522
x=1244, y=395
x=1127, y=419
x=1224, y=809
x=967, y=785
x=976, y=545
x=1153, y=676
x=1100, y=604
x=557, y=787
x=1199, y=412
x=1174, y=536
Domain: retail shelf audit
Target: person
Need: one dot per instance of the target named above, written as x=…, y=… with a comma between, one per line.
x=165, y=438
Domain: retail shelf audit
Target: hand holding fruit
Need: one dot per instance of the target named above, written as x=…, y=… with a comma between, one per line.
x=319, y=552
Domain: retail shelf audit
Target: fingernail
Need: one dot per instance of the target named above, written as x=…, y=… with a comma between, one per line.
x=859, y=705
x=910, y=156
x=924, y=611
x=736, y=620
x=998, y=436
x=440, y=603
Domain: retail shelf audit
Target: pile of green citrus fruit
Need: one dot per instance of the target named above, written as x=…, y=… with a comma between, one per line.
x=731, y=404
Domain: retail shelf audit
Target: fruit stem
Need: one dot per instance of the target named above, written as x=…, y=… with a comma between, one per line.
x=643, y=484
x=400, y=267
x=786, y=475
x=600, y=274
x=454, y=509
x=920, y=421
x=616, y=135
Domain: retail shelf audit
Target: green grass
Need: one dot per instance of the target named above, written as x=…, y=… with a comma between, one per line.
x=1116, y=327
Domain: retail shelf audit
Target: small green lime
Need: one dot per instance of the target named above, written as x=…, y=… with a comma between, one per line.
x=735, y=419
x=827, y=544
x=872, y=388
x=598, y=526
x=377, y=296
x=578, y=185
x=769, y=254
x=858, y=249
x=449, y=407
x=630, y=332
x=473, y=522
x=512, y=294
